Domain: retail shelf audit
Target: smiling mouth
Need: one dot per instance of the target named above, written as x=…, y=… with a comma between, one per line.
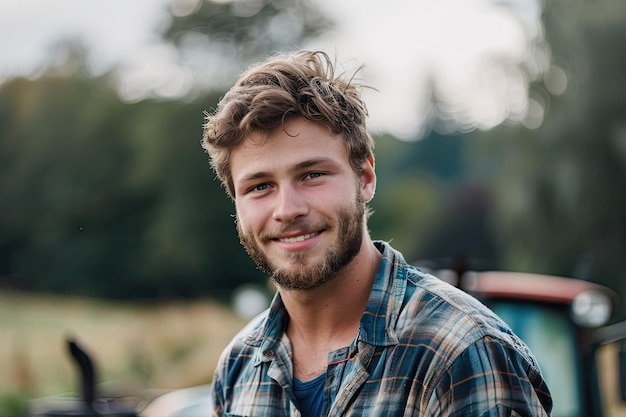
x=296, y=239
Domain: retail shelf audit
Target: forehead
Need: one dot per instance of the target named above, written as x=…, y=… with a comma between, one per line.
x=297, y=141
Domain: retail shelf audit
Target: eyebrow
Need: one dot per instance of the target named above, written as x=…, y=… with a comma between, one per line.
x=311, y=162
x=254, y=176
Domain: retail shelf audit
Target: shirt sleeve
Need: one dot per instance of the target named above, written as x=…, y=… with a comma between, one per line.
x=217, y=408
x=491, y=379
x=217, y=387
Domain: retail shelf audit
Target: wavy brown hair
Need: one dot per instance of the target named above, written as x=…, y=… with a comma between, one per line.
x=302, y=83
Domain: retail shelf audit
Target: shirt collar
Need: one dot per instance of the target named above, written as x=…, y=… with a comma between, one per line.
x=386, y=296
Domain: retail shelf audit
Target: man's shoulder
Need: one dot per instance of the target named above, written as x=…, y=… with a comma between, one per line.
x=437, y=311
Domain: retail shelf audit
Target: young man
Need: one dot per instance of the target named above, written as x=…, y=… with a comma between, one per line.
x=353, y=329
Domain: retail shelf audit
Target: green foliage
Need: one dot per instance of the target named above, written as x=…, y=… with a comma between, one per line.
x=13, y=405
x=110, y=199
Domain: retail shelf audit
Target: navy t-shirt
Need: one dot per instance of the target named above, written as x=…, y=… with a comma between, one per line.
x=310, y=395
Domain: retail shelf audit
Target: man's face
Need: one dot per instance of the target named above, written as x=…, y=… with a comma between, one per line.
x=300, y=205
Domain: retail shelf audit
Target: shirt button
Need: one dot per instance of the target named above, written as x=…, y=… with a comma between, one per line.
x=269, y=353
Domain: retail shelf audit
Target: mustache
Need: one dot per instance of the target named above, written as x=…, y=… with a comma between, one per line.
x=294, y=227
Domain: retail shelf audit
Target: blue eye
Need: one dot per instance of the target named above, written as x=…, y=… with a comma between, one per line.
x=258, y=188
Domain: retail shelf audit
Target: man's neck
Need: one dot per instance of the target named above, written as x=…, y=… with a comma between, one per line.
x=328, y=317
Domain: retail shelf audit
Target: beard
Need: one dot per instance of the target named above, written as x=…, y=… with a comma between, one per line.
x=303, y=275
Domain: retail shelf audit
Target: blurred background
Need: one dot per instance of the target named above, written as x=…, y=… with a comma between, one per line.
x=501, y=140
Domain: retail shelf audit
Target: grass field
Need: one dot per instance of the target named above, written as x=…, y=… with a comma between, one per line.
x=134, y=346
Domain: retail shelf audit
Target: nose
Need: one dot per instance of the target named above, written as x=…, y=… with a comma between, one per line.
x=290, y=204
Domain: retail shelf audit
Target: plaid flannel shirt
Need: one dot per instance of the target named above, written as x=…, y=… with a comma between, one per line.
x=424, y=348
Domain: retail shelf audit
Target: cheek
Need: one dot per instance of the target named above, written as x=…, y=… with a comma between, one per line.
x=333, y=195
x=249, y=216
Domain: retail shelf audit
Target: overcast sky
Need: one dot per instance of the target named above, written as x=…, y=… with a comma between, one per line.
x=401, y=45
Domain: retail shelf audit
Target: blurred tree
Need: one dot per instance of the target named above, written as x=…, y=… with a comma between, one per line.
x=217, y=39
x=251, y=27
x=104, y=198
x=562, y=206
x=407, y=195
x=433, y=201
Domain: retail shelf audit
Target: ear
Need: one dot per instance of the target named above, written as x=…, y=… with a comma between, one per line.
x=368, y=179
